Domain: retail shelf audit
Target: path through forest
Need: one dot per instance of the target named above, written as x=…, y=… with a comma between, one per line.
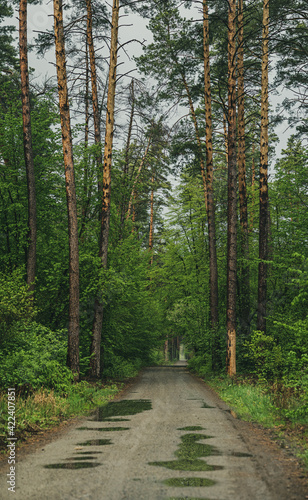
x=167, y=437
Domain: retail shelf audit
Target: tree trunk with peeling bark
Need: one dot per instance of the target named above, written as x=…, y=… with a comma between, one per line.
x=263, y=219
x=27, y=139
x=244, y=267
x=73, y=326
x=209, y=184
x=232, y=194
x=95, y=361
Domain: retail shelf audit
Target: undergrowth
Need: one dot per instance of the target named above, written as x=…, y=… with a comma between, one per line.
x=272, y=404
x=45, y=408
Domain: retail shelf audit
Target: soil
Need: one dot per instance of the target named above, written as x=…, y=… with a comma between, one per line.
x=167, y=436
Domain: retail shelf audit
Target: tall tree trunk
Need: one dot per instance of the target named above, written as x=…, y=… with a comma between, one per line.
x=27, y=136
x=224, y=121
x=151, y=234
x=232, y=194
x=123, y=204
x=85, y=202
x=263, y=220
x=73, y=326
x=245, y=303
x=198, y=138
x=132, y=194
x=209, y=184
x=96, y=114
x=253, y=191
x=96, y=362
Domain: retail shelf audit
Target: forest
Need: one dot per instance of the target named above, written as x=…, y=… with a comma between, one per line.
x=154, y=192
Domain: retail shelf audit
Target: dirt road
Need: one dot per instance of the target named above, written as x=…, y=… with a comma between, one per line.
x=167, y=437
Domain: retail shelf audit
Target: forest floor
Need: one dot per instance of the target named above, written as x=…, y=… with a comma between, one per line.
x=167, y=436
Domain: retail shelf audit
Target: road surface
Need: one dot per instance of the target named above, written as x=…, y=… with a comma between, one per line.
x=167, y=437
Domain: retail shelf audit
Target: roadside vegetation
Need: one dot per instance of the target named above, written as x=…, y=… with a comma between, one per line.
x=277, y=402
x=42, y=409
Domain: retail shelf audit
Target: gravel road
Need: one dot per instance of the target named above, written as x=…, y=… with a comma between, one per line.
x=167, y=437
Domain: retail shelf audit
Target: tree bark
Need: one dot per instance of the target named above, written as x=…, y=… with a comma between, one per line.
x=85, y=201
x=73, y=326
x=263, y=219
x=151, y=234
x=131, y=198
x=28, y=151
x=232, y=194
x=123, y=203
x=95, y=360
x=96, y=115
x=244, y=267
x=209, y=183
x=198, y=138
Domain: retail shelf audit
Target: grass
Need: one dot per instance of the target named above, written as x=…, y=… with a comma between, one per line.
x=45, y=408
x=250, y=402
x=263, y=404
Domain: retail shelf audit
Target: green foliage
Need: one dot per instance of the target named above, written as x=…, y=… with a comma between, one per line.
x=265, y=354
x=15, y=303
x=34, y=357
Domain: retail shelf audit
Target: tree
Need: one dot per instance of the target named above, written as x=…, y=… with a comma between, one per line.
x=96, y=114
x=232, y=193
x=73, y=326
x=244, y=266
x=95, y=361
x=28, y=151
x=264, y=216
x=209, y=171
x=8, y=59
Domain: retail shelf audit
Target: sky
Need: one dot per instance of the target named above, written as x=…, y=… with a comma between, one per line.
x=40, y=18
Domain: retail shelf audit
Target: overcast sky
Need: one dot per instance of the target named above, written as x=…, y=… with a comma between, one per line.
x=40, y=18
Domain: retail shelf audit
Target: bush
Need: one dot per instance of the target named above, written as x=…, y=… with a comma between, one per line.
x=266, y=355
x=36, y=358
x=119, y=368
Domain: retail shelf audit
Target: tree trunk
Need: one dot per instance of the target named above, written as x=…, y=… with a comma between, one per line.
x=224, y=121
x=27, y=136
x=151, y=234
x=232, y=194
x=123, y=203
x=96, y=115
x=132, y=194
x=95, y=361
x=198, y=139
x=253, y=192
x=244, y=285
x=263, y=220
x=73, y=326
x=209, y=184
x=85, y=201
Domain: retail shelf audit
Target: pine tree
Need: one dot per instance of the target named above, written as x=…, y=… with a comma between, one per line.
x=73, y=327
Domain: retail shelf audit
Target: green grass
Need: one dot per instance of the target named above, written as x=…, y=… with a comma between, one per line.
x=261, y=403
x=249, y=402
x=45, y=408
